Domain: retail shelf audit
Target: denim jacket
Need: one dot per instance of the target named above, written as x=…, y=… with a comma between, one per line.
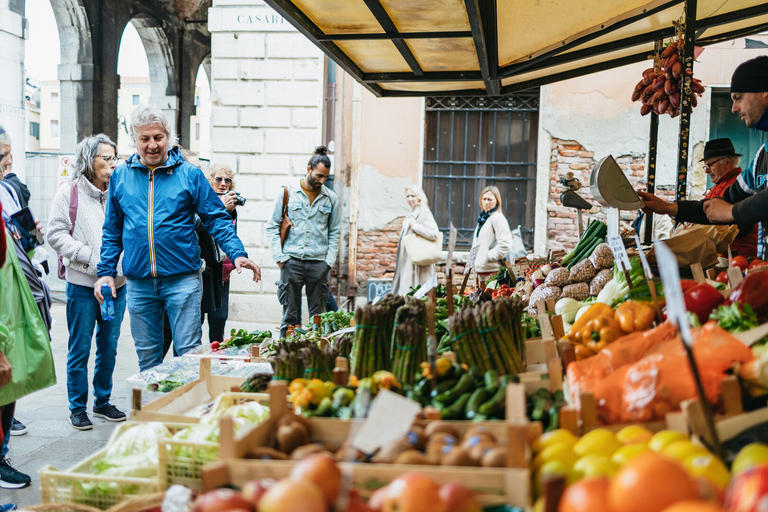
x=315, y=231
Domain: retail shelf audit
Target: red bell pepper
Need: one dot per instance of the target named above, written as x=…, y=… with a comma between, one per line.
x=686, y=284
x=753, y=290
x=702, y=299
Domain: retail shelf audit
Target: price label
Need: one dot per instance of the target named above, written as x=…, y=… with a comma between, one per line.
x=425, y=288
x=670, y=278
x=377, y=299
x=643, y=259
x=612, y=221
x=345, y=330
x=471, y=259
x=453, y=233
x=389, y=419
x=619, y=251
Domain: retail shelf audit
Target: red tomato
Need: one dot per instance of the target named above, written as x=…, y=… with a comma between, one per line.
x=214, y=345
x=740, y=262
x=757, y=262
x=722, y=277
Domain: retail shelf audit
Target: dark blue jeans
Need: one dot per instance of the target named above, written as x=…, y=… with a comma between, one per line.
x=83, y=313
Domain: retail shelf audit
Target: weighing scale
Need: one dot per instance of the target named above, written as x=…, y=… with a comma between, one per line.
x=611, y=188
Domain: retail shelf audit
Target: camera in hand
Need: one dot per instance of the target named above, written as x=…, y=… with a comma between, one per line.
x=239, y=200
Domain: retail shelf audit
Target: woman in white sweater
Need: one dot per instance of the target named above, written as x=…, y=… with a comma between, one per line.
x=421, y=222
x=492, y=235
x=85, y=196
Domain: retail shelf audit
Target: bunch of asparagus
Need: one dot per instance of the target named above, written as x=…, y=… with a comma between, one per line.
x=409, y=340
x=490, y=336
x=318, y=363
x=371, y=347
x=342, y=344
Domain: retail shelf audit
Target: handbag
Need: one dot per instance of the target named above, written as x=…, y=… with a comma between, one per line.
x=285, y=222
x=73, y=200
x=423, y=251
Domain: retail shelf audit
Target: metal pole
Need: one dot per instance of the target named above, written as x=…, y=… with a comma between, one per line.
x=354, y=191
x=686, y=98
x=652, y=146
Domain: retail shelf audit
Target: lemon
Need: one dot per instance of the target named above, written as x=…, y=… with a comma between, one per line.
x=628, y=452
x=555, y=437
x=561, y=452
x=681, y=450
x=710, y=467
x=553, y=468
x=595, y=465
x=664, y=438
x=750, y=456
x=600, y=441
x=633, y=434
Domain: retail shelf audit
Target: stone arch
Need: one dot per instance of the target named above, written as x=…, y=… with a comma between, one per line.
x=162, y=66
x=76, y=71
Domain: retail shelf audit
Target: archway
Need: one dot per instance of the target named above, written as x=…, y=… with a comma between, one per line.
x=200, y=123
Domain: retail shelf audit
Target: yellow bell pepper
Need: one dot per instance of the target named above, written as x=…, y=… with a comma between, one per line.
x=319, y=390
x=597, y=310
x=634, y=316
x=599, y=332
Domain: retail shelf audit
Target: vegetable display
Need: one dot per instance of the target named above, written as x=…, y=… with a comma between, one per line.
x=372, y=346
x=593, y=236
x=409, y=340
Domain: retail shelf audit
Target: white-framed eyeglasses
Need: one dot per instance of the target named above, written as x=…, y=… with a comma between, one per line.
x=109, y=159
x=219, y=179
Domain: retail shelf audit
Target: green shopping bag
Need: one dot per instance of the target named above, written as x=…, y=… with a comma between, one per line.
x=23, y=336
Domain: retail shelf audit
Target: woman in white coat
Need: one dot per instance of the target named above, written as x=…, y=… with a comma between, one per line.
x=421, y=222
x=492, y=235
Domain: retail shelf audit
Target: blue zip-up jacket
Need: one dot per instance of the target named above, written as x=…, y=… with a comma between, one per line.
x=748, y=194
x=151, y=216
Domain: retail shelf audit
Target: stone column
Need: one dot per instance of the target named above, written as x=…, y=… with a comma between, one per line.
x=14, y=29
x=266, y=93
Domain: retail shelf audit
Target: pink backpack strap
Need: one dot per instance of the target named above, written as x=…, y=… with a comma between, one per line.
x=73, y=201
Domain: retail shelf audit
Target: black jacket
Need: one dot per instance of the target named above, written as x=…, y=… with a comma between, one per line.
x=21, y=189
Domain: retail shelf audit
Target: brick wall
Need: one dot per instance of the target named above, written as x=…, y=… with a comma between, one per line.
x=377, y=253
x=570, y=156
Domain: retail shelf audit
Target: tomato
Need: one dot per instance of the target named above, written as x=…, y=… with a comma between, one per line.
x=214, y=345
x=722, y=277
x=740, y=262
x=757, y=262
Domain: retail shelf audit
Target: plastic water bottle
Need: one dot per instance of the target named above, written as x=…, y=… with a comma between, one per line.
x=108, y=307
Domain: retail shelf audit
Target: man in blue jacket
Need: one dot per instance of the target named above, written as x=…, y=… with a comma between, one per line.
x=150, y=215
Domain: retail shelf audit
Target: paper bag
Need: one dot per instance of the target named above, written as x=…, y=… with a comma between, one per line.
x=699, y=243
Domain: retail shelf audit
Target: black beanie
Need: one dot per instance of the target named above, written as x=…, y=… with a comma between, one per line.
x=751, y=76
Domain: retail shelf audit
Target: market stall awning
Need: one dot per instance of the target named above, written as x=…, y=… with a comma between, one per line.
x=479, y=47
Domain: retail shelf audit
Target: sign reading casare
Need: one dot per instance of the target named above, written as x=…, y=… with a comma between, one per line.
x=248, y=19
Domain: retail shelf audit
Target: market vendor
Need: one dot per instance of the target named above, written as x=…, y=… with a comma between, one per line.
x=746, y=200
x=721, y=163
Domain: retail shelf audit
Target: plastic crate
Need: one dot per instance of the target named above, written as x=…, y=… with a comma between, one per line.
x=184, y=469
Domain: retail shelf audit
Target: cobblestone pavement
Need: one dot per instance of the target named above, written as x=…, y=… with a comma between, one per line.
x=51, y=440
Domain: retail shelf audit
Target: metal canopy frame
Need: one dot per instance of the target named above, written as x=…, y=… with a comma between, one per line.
x=482, y=17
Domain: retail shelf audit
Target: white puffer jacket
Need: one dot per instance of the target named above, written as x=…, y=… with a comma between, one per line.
x=80, y=250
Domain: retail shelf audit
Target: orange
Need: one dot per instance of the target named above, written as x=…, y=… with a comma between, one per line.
x=693, y=506
x=649, y=483
x=587, y=495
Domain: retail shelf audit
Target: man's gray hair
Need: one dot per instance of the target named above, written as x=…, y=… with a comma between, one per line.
x=5, y=139
x=86, y=153
x=150, y=114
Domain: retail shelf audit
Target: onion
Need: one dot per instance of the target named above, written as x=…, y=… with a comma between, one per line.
x=546, y=269
x=554, y=265
x=538, y=274
x=537, y=282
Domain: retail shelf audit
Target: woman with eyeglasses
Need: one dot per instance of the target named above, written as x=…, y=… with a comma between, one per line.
x=222, y=179
x=75, y=232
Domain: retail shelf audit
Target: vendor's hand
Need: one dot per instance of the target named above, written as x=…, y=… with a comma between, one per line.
x=718, y=211
x=657, y=205
x=229, y=199
x=242, y=262
x=5, y=371
x=97, y=288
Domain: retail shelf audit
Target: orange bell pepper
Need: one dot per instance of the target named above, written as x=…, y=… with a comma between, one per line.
x=600, y=332
x=634, y=316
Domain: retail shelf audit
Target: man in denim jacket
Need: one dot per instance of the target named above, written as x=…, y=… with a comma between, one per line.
x=311, y=247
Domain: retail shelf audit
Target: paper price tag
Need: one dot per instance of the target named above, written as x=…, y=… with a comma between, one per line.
x=377, y=299
x=389, y=419
x=670, y=278
x=643, y=259
x=471, y=259
x=612, y=221
x=345, y=330
x=619, y=251
x=425, y=288
x=452, y=235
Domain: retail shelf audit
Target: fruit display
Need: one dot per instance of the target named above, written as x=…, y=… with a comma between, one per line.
x=660, y=89
x=314, y=397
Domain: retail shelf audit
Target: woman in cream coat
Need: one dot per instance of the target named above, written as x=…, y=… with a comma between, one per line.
x=492, y=235
x=421, y=222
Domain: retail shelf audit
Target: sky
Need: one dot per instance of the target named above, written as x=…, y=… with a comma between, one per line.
x=41, y=61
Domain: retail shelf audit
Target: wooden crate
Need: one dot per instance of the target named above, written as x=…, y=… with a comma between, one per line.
x=496, y=485
x=178, y=405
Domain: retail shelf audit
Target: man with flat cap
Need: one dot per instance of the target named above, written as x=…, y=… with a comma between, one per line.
x=746, y=200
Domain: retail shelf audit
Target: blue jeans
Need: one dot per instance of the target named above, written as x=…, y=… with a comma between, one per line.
x=149, y=298
x=83, y=312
